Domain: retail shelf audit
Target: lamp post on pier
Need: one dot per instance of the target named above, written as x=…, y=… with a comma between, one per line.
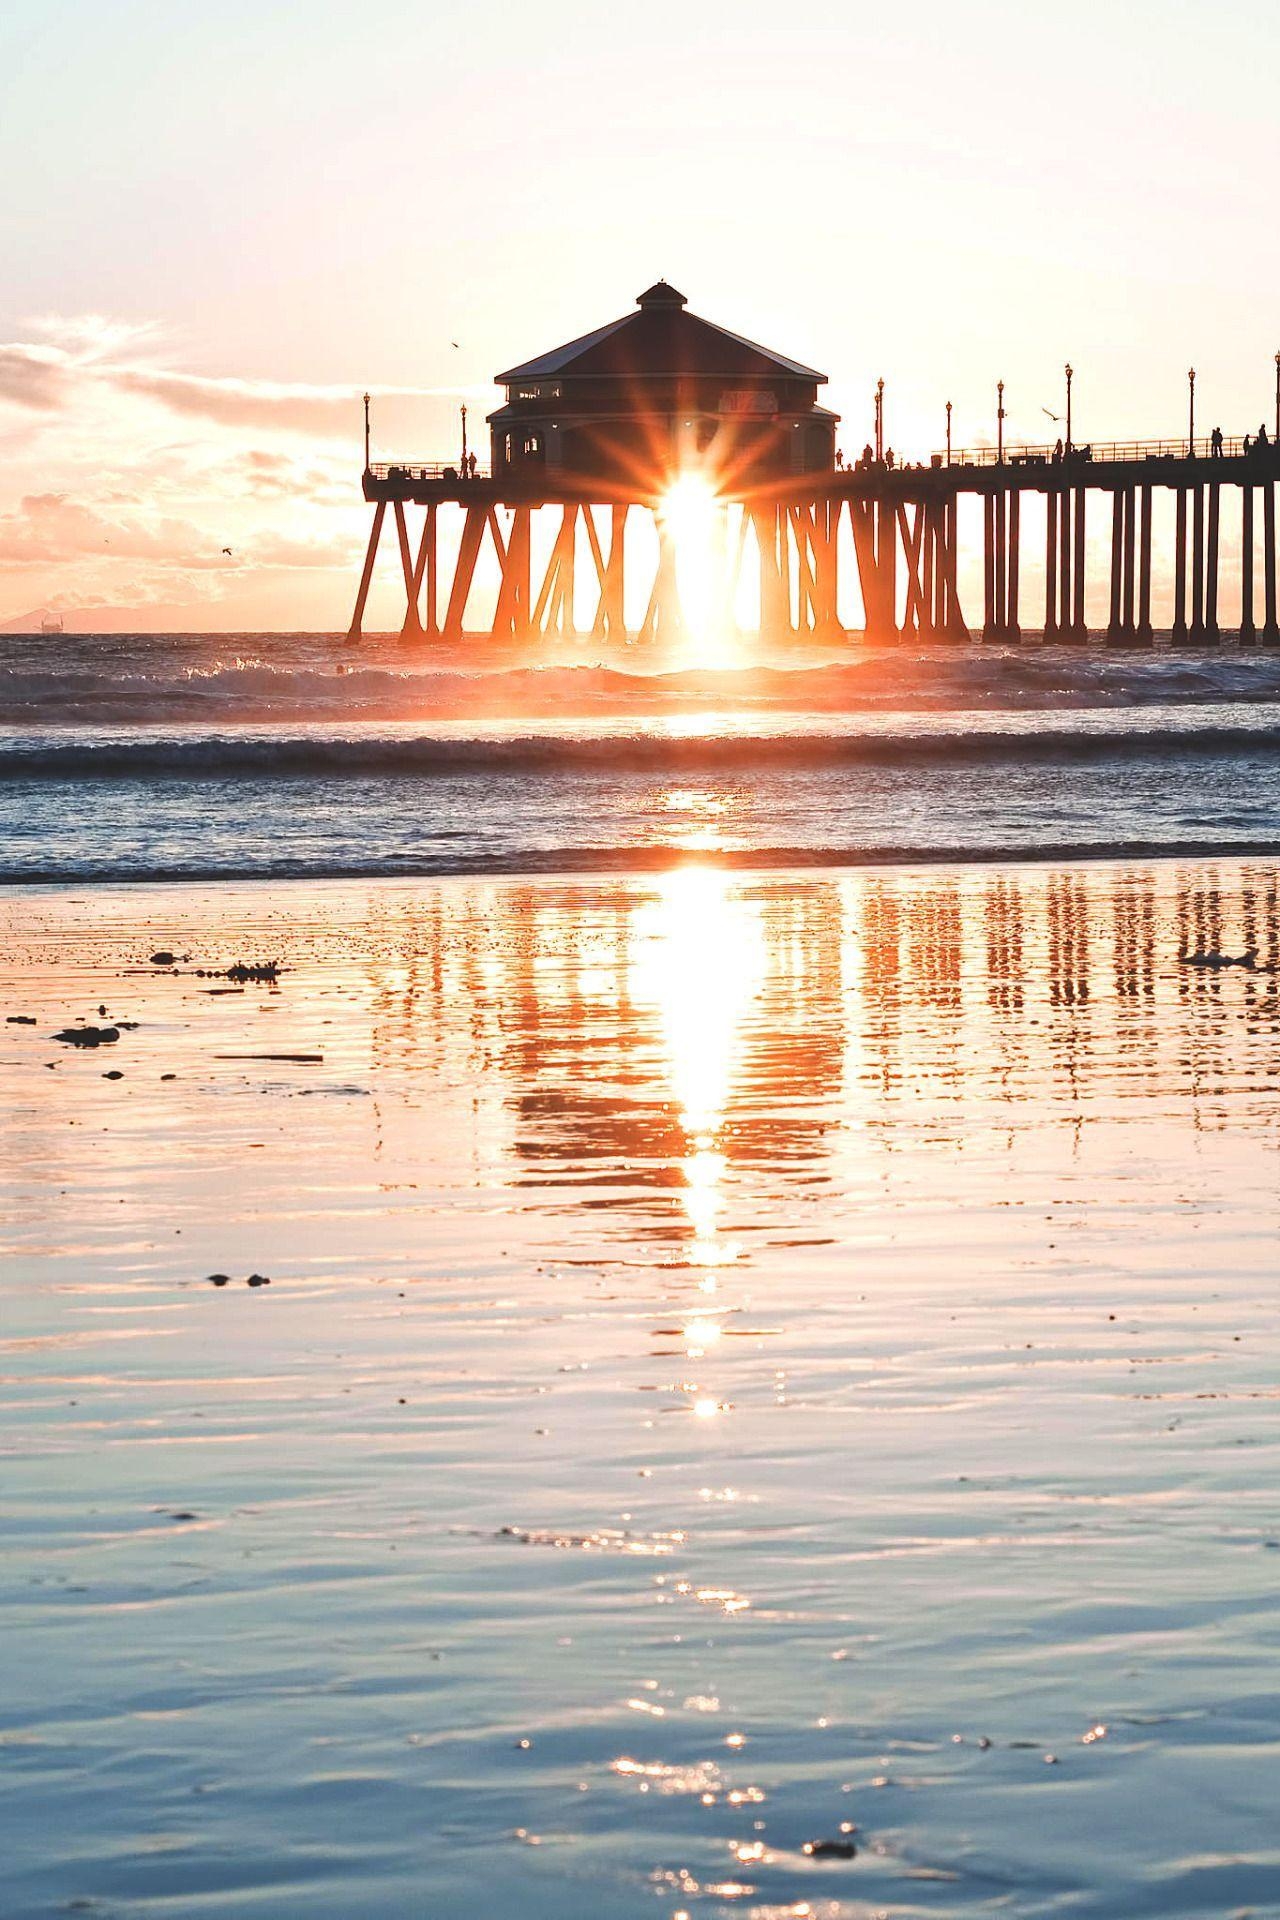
x=464, y=442
x=949, y=424
x=1000, y=423
x=1191, y=422
x=879, y=421
x=366, y=431
x=1278, y=399
x=1070, y=376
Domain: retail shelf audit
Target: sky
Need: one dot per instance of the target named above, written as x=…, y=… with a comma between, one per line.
x=222, y=224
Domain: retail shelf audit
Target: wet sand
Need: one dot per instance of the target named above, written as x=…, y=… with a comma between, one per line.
x=751, y=1362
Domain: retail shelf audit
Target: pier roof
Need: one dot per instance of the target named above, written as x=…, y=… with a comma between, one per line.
x=660, y=339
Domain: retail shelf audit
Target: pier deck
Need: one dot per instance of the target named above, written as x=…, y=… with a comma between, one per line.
x=905, y=544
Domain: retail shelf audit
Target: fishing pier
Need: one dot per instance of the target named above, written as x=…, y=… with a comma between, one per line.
x=664, y=424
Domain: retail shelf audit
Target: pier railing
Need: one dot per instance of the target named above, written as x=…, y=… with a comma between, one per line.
x=1018, y=455
x=425, y=470
x=1083, y=453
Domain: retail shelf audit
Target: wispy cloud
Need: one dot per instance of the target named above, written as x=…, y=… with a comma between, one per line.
x=78, y=353
x=124, y=476
x=31, y=378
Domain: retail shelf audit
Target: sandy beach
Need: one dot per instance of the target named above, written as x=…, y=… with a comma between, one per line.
x=762, y=1403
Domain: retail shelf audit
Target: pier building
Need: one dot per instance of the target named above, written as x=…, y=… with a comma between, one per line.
x=656, y=393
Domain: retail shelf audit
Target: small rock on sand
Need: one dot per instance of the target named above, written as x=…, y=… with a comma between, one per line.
x=20, y=1019
x=162, y=959
x=258, y=1280
x=88, y=1036
x=219, y=1279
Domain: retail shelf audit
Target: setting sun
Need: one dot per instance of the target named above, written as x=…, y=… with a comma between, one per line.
x=692, y=517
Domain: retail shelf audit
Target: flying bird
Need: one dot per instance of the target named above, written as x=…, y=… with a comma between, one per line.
x=1052, y=416
x=227, y=551
x=453, y=343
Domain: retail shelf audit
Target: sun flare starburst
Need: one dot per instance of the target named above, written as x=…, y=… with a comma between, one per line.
x=692, y=518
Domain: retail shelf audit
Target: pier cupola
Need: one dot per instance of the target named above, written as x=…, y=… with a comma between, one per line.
x=657, y=393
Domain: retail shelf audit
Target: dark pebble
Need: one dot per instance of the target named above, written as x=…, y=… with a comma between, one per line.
x=20, y=1019
x=831, y=1849
x=88, y=1036
x=258, y=1280
x=113, y=1074
x=162, y=959
x=219, y=1279
x=168, y=1076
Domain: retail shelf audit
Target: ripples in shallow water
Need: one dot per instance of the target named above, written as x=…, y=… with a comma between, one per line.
x=770, y=1361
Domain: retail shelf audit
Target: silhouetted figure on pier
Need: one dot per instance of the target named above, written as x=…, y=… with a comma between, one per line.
x=1057, y=453
x=1215, y=443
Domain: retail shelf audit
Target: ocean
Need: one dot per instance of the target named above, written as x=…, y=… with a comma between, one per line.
x=165, y=757
x=638, y=1296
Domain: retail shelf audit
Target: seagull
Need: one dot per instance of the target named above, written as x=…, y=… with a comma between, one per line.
x=453, y=343
x=227, y=551
x=1052, y=416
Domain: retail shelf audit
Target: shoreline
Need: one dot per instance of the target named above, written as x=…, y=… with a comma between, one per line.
x=595, y=862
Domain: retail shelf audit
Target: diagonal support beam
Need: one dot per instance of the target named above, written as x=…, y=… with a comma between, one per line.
x=357, y=618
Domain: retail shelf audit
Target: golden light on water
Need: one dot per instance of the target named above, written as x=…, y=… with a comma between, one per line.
x=701, y=1333
x=700, y=964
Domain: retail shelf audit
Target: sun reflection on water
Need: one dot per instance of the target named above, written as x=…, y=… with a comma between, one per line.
x=700, y=964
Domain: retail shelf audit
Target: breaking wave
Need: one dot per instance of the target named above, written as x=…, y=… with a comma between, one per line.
x=660, y=754
x=153, y=680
